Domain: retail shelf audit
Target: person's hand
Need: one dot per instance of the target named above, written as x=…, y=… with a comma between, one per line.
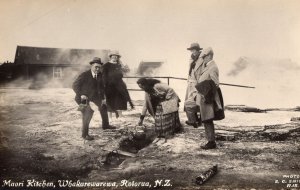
x=83, y=97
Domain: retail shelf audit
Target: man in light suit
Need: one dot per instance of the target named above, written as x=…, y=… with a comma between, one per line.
x=209, y=97
x=89, y=87
x=190, y=106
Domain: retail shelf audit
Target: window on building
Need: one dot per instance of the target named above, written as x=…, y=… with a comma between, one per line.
x=57, y=72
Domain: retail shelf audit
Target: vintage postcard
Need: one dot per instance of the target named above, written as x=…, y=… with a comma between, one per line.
x=148, y=94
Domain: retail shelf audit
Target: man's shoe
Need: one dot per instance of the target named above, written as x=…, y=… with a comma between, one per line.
x=109, y=127
x=209, y=145
x=88, y=138
x=195, y=125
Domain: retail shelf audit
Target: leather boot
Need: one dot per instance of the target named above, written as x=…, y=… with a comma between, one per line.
x=209, y=145
x=108, y=127
x=88, y=138
x=195, y=125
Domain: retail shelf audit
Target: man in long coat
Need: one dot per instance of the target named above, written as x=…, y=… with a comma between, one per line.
x=190, y=106
x=209, y=97
x=89, y=87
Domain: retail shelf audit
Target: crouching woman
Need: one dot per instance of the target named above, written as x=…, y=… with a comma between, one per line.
x=162, y=103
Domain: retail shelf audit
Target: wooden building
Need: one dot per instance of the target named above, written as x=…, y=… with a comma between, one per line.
x=42, y=64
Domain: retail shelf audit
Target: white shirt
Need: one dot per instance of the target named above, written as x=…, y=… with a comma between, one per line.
x=94, y=74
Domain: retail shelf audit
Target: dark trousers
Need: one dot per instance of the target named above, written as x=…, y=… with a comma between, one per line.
x=209, y=130
x=104, y=116
x=87, y=114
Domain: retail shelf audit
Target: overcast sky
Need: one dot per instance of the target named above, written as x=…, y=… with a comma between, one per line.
x=155, y=29
x=261, y=30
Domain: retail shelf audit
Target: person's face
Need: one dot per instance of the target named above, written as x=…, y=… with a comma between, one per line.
x=207, y=58
x=114, y=58
x=194, y=52
x=97, y=68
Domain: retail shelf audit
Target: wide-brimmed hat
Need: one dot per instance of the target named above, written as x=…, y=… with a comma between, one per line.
x=115, y=52
x=195, y=46
x=96, y=60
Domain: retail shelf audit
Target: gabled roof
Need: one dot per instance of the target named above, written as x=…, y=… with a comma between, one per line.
x=43, y=55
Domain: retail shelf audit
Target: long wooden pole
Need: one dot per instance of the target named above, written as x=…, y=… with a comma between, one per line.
x=226, y=84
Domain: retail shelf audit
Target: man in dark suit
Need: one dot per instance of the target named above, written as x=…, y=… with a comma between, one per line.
x=89, y=87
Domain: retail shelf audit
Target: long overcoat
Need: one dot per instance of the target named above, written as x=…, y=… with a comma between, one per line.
x=191, y=92
x=116, y=91
x=208, y=71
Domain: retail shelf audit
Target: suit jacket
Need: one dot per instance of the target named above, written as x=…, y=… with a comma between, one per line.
x=85, y=84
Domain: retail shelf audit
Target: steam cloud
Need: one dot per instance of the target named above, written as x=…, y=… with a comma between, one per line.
x=240, y=65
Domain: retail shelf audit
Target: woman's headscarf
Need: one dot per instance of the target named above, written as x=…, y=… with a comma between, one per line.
x=148, y=83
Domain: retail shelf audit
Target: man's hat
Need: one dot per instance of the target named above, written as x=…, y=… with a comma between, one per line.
x=194, y=46
x=115, y=52
x=96, y=60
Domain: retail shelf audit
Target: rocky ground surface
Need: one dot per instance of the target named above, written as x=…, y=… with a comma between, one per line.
x=40, y=139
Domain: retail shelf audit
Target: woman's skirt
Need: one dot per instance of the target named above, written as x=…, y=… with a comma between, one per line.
x=166, y=125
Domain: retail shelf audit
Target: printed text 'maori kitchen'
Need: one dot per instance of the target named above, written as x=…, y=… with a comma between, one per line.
x=28, y=183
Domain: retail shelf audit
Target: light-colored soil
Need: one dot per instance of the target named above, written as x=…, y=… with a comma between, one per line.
x=40, y=139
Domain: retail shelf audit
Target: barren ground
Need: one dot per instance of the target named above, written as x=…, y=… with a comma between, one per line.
x=40, y=139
